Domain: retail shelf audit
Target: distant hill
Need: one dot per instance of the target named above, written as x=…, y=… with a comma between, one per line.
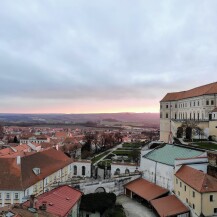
x=146, y=118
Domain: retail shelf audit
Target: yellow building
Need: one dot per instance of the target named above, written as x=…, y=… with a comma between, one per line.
x=197, y=190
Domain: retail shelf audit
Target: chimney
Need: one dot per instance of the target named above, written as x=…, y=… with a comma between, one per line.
x=18, y=160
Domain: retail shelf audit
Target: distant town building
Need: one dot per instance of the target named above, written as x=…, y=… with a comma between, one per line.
x=34, y=138
x=198, y=104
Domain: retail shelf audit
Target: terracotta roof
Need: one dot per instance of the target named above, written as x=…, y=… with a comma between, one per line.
x=61, y=134
x=146, y=189
x=198, y=91
x=23, y=212
x=169, y=206
x=197, y=179
x=20, y=177
x=59, y=201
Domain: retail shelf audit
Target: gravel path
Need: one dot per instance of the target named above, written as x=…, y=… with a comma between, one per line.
x=133, y=208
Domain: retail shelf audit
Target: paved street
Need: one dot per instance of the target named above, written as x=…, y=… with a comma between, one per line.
x=133, y=208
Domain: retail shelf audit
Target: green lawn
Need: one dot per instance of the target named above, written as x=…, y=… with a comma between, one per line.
x=123, y=152
x=131, y=145
x=206, y=145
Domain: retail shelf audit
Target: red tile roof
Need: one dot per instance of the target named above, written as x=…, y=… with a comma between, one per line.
x=196, y=179
x=146, y=189
x=59, y=201
x=20, y=177
x=198, y=91
x=169, y=206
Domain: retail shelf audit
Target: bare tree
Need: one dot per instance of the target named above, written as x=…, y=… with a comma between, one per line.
x=1, y=132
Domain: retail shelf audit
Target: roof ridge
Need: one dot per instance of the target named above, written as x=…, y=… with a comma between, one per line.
x=204, y=184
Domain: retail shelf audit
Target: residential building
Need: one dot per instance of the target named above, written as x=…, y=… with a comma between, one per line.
x=63, y=201
x=198, y=104
x=24, y=139
x=197, y=190
x=32, y=174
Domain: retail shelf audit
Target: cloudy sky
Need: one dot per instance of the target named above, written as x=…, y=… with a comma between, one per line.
x=86, y=56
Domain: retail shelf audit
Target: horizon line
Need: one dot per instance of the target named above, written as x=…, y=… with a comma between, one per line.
x=44, y=113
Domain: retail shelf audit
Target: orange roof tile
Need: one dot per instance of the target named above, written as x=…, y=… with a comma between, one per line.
x=198, y=91
x=59, y=200
x=169, y=206
x=146, y=189
x=197, y=179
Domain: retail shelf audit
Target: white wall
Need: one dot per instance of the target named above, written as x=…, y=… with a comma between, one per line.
x=123, y=168
x=79, y=165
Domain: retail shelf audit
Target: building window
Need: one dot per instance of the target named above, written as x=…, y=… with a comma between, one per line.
x=207, y=102
x=16, y=196
x=0, y=195
x=198, y=103
x=8, y=196
x=176, y=181
x=194, y=103
x=175, y=105
x=186, y=200
x=180, y=184
x=193, y=206
x=212, y=102
x=190, y=104
x=127, y=171
x=179, y=193
x=211, y=198
x=117, y=172
x=185, y=187
x=193, y=194
x=167, y=115
x=215, y=210
x=83, y=170
x=75, y=170
x=167, y=106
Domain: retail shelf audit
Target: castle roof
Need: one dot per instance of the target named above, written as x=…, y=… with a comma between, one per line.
x=195, y=92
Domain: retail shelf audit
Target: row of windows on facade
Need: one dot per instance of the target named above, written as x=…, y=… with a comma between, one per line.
x=83, y=170
x=185, y=105
x=8, y=196
x=211, y=197
x=183, y=115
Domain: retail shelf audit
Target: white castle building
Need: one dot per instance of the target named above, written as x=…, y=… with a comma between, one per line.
x=198, y=105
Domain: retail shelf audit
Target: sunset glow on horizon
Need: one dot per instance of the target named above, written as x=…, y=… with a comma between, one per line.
x=103, y=57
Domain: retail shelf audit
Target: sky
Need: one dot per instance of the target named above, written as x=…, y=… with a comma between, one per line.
x=102, y=56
